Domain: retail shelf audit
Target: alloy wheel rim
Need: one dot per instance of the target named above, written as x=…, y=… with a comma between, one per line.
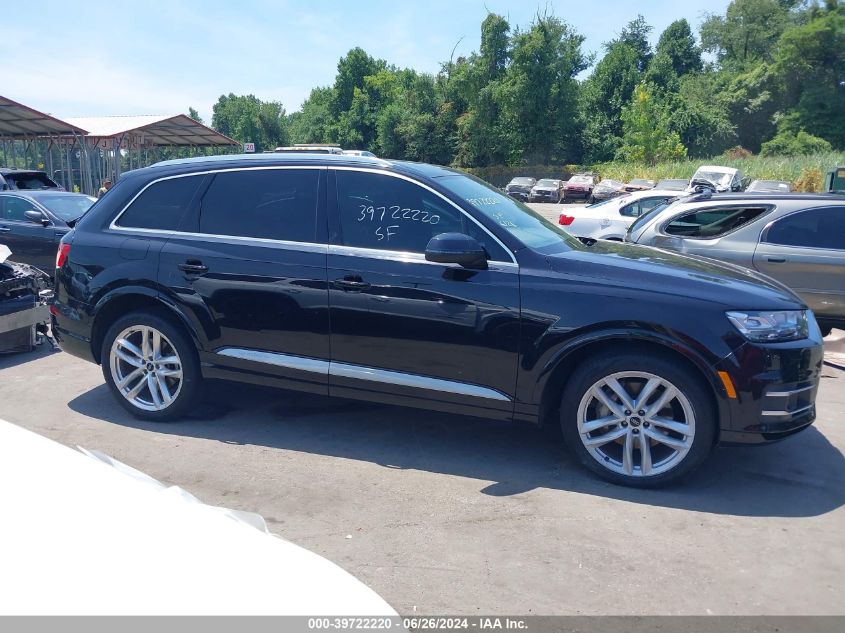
x=146, y=368
x=636, y=424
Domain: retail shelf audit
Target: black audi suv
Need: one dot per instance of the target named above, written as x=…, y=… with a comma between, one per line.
x=418, y=285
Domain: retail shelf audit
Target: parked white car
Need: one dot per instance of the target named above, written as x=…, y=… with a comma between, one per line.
x=610, y=219
x=84, y=534
x=716, y=176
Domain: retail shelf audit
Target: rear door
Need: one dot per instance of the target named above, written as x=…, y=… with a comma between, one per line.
x=30, y=242
x=406, y=330
x=806, y=251
x=249, y=267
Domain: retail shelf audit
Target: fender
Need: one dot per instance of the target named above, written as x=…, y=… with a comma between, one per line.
x=629, y=335
x=148, y=295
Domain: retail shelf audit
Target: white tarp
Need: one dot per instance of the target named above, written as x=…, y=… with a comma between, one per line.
x=93, y=536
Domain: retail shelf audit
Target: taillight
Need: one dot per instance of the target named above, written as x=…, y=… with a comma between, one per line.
x=61, y=255
x=566, y=220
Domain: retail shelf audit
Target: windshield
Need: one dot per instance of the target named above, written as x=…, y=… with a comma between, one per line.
x=672, y=183
x=68, y=207
x=717, y=177
x=641, y=181
x=647, y=215
x=514, y=217
x=610, y=184
x=545, y=182
x=522, y=181
x=580, y=180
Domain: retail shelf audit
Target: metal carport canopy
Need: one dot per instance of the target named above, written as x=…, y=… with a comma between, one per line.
x=18, y=121
x=176, y=130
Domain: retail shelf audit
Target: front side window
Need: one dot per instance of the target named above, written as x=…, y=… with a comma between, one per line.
x=815, y=228
x=383, y=212
x=276, y=204
x=162, y=205
x=713, y=222
x=15, y=208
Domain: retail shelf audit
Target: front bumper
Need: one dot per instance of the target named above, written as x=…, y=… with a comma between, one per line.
x=540, y=196
x=519, y=195
x=776, y=386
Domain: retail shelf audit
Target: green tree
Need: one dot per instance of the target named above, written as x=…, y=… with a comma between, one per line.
x=248, y=119
x=747, y=33
x=677, y=43
x=647, y=135
x=194, y=115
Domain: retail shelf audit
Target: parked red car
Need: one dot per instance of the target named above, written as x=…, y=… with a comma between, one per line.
x=579, y=186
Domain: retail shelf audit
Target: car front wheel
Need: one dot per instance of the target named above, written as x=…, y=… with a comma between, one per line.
x=639, y=420
x=150, y=366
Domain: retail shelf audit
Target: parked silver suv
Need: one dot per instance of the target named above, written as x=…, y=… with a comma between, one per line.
x=798, y=239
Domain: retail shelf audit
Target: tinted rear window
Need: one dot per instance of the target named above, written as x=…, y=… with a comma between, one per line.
x=30, y=181
x=162, y=205
x=276, y=204
x=815, y=228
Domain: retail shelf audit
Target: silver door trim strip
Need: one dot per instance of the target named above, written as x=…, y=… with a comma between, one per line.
x=408, y=257
x=307, y=247
x=301, y=363
x=360, y=372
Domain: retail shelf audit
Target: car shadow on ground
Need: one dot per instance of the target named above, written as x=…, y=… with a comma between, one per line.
x=802, y=476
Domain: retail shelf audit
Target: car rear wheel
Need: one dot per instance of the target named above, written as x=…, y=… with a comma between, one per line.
x=638, y=420
x=150, y=366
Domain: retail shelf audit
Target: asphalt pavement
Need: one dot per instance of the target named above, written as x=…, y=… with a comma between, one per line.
x=443, y=514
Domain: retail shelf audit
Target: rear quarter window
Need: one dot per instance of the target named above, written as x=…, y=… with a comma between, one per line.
x=162, y=205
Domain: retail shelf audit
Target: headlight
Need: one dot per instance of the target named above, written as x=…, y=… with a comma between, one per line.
x=771, y=327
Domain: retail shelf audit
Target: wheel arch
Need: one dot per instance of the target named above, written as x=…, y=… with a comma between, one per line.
x=558, y=371
x=128, y=299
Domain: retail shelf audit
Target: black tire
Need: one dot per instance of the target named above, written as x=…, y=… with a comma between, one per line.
x=658, y=364
x=191, y=379
x=591, y=200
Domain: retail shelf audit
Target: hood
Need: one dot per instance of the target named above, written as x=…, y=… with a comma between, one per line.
x=642, y=268
x=544, y=188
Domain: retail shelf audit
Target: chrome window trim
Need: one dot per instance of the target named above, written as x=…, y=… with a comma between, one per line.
x=114, y=226
x=307, y=247
x=408, y=257
x=436, y=193
x=361, y=372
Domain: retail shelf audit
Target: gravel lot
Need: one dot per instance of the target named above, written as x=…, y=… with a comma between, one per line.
x=454, y=515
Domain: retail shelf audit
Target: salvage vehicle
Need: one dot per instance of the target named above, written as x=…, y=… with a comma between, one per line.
x=768, y=186
x=520, y=187
x=547, y=190
x=33, y=222
x=797, y=239
x=24, y=293
x=610, y=219
x=640, y=184
x=579, y=186
x=26, y=180
x=716, y=178
x=416, y=285
x=607, y=189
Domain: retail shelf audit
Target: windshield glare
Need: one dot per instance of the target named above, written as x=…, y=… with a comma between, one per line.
x=522, y=181
x=580, y=180
x=545, y=182
x=514, y=217
x=67, y=208
x=718, y=177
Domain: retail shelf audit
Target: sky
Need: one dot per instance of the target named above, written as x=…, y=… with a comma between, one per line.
x=94, y=58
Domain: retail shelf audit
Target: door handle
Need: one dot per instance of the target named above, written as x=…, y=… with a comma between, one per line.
x=777, y=260
x=352, y=282
x=193, y=267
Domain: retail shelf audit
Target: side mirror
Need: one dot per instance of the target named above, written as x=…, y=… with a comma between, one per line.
x=456, y=248
x=37, y=217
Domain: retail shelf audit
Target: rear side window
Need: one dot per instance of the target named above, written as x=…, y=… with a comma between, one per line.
x=275, y=204
x=815, y=228
x=162, y=205
x=710, y=222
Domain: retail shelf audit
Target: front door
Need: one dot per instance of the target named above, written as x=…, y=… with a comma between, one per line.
x=405, y=330
x=30, y=242
x=249, y=265
x=806, y=251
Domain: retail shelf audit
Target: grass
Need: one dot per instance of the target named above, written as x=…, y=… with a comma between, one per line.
x=805, y=173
